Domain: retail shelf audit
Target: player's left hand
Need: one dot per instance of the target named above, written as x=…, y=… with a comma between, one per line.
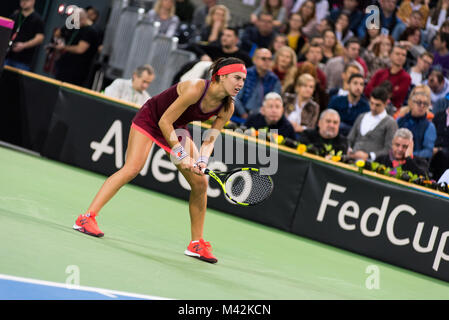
x=198, y=167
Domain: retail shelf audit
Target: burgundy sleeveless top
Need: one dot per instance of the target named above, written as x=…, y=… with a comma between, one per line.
x=151, y=112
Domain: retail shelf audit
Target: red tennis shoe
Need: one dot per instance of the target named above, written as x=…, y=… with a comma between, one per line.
x=200, y=249
x=87, y=224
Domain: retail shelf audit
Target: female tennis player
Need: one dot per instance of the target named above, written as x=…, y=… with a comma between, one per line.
x=156, y=122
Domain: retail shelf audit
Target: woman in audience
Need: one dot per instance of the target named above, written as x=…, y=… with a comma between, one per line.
x=303, y=113
x=164, y=12
x=377, y=55
x=411, y=38
x=216, y=21
x=331, y=47
x=437, y=16
x=307, y=12
x=278, y=42
x=407, y=7
x=284, y=60
x=296, y=39
x=342, y=30
x=370, y=36
x=273, y=7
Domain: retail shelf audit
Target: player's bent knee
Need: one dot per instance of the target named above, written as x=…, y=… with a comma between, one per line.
x=130, y=171
x=199, y=184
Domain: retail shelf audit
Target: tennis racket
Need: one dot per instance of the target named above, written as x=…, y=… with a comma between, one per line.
x=243, y=186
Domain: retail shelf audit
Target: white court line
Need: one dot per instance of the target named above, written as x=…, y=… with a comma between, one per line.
x=106, y=292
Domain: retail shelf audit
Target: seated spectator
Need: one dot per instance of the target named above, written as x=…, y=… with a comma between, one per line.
x=438, y=84
x=335, y=66
x=26, y=36
x=164, y=12
x=401, y=154
x=351, y=8
x=424, y=132
x=327, y=133
x=370, y=36
x=437, y=17
x=391, y=109
x=296, y=39
x=441, y=54
x=273, y=7
x=416, y=20
x=77, y=52
x=259, y=35
x=377, y=54
x=342, y=28
x=216, y=21
x=321, y=8
x=211, y=52
x=201, y=12
x=304, y=113
x=440, y=158
x=411, y=40
x=419, y=71
x=373, y=131
x=278, y=42
x=407, y=7
x=308, y=14
x=260, y=80
x=422, y=89
x=396, y=74
x=331, y=47
x=227, y=47
x=284, y=61
x=350, y=106
x=272, y=116
x=313, y=41
x=132, y=90
x=348, y=70
x=313, y=55
x=323, y=25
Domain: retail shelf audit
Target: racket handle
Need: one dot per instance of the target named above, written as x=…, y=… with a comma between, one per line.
x=205, y=170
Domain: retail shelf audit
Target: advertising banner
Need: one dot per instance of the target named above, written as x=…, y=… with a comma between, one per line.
x=376, y=219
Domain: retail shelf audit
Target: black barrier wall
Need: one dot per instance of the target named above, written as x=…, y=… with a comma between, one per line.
x=381, y=220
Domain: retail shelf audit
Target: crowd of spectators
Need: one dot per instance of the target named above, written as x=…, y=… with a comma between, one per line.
x=320, y=71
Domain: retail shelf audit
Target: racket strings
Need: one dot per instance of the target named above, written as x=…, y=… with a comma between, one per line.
x=250, y=187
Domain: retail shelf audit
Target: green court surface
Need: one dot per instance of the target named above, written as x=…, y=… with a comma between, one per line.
x=146, y=233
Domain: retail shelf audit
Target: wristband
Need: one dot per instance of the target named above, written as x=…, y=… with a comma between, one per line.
x=179, y=153
x=203, y=159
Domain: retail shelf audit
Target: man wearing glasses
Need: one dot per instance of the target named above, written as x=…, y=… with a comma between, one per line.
x=260, y=80
x=423, y=130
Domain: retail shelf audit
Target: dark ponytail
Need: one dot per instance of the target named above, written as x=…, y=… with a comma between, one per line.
x=216, y=65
